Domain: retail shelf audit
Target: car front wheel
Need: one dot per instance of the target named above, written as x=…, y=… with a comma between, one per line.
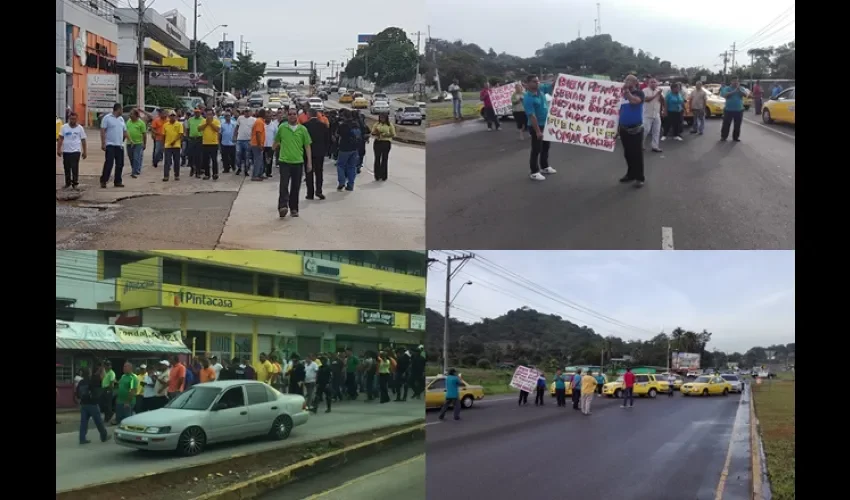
x=466, y=402
x=765, y=116
x=191, y=442
x=281, y=428
x=705, y=392
x=617, y=393
x=725, y=392
x=652, y=393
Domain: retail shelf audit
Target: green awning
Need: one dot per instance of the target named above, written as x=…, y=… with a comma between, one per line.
x=96, y=345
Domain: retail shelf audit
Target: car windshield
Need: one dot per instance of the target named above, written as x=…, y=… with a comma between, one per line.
x=702, y=380
x=730, y=378
x=198, y=398
x=411, y=110
x=315, y=99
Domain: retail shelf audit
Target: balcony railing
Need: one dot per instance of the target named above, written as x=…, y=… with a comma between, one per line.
x=101, y=8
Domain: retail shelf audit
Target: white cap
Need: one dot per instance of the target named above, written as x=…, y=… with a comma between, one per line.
x=165, y=362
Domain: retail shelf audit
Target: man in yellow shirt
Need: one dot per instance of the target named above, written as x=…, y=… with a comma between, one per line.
x=209, y=132
x=172, y=131
x=264, y=369
x=588, y=387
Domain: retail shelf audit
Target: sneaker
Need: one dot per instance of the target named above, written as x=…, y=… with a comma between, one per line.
x=639, y=184
x=537, y=176
x=103, y=185
x=118, y=185
x=349, y=188
x=663, y=138
x=657, y=150
x=549, y=170
x=134, y=176
x=215, y=177
x=320, y=196
x=626, y=179
x=282, y=212
x=206, y=177
x=340, y=187
x=165, y=179
x=678, y=138
x=176, y=177
x=622, y=406
x=295, y=213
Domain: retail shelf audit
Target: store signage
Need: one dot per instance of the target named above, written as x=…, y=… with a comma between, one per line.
x=373, y=317
x=130, y=286
x=173, y=31
x=80, y=46
x=184, y=297
x=321, y=268
x=101, y=92
x=149, y=336
x=417, y=321
x=173, y=79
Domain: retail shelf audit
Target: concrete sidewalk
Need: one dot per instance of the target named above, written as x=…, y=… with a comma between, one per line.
x=364, y=218
x=81, y=465
x=149, y=183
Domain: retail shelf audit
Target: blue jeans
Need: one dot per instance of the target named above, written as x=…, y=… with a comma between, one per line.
x=136, y=154
x=122, y=412
x=629, y=396
x=346, y=168
x=91, y=411
x=158, y=147
x=455, y=404
x=699, y=121
x=259, y=165
x=456, y=108
x=243, y=151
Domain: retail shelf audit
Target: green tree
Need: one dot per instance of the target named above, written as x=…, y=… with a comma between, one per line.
x=390, y=54
x=244, y=72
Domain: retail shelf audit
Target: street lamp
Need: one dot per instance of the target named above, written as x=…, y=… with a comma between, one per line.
x=211, y=32
x=458, y=291
x=197, y=41
x=446, y=328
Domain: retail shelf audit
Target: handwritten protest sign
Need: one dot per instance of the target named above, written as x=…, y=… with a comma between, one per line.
x=584, y=112
x=525, y=378
x=501, y=98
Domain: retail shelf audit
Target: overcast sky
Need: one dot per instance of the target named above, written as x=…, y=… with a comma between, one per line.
x=745, y=298
x=684, y=33
x=301, y=31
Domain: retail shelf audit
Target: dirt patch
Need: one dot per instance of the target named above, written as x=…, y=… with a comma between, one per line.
x=195, y=481
x=776, y=411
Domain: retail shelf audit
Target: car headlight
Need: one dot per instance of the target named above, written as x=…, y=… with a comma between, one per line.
x=158, y=430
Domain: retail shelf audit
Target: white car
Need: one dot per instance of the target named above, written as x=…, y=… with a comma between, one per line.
x=380, y=96
x=735, y=381
x=693, y=373
x=285, y=102
x=214, y=412
x=317, y=103
x=422, y=108
x=342, y=90
x=379, y=107
x=408, y=114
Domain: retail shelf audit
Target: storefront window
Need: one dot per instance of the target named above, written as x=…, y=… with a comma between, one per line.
x=64, y=368
x=243, y=348
x=220, y=346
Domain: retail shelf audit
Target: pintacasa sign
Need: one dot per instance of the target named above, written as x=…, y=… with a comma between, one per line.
x=201, y=299
x=132, y=286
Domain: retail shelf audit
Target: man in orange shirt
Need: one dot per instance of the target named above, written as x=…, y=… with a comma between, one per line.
x=207, y=372
x=158, y=136
x=258, y=140
x=176, y=378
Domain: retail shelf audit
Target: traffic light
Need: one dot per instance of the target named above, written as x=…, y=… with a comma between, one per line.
x=278, y=64
x=296, y=62
x=329, y=64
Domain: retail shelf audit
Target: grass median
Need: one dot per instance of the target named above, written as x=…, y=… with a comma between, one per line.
x=775, y=408
x=493, y=381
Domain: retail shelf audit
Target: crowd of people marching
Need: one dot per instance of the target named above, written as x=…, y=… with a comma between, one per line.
x=296, y=141
x=107, y=399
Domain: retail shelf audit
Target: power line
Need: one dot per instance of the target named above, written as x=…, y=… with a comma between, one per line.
x=766, y=27
x=773, y=33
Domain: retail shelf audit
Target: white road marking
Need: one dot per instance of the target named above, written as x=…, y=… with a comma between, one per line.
x=667, y=238
x=762, y=125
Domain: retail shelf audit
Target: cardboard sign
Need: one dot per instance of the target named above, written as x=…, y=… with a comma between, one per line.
x=584, y=112
x=525, y=379
x=501, y=98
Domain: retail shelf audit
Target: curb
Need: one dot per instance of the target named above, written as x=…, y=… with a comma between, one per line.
x=755, y=451
x=409, y=141
x=324, y=463
x=99, y=490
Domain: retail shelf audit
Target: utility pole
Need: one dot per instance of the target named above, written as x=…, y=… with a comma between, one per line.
x=241, y=43
x=725, y=60
x=449, y=275
x=434, y=59
x=140, y=55
x=195, y=39
x=598, y=18
x=418, y=42
x=733, y=56
x=224, y=67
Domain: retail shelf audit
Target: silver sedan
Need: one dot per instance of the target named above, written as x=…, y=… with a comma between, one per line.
x=214, y=412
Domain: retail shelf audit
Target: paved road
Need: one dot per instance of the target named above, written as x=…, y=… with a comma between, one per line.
x=663, y=449
x=333, y=103
x=75, y=462
x=392, y=473
x=700, y=193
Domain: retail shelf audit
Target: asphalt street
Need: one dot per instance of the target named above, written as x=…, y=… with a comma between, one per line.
x=391, y=473
x=662, y=449
x=75, y=463
x=701, y=194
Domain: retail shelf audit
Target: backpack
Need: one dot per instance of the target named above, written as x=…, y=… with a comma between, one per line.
x=83, y=391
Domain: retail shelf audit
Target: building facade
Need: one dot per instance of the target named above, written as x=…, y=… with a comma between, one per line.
x=242, y=303
x=166, y=43
x=86, y=53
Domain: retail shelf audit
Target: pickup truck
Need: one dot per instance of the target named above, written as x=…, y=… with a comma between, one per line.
x=409, y=114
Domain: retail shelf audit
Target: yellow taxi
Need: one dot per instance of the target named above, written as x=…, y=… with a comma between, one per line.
x=569, y=389
x=782, y=108
x=707, y=385
x=646, y=385
x=346, y=98
x=274, y=98
x=713, y=105
x=435, y=392
x=360, y=103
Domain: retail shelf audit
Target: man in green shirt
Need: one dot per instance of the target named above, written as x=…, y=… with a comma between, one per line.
x=137, y=141
x=107, y=383
x=292, y=141
x=125, y=400
x=194, y=146
x=351, y=363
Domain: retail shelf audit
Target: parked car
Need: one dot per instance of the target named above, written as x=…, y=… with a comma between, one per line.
x=707, y=385
x=435, y=392
x=214, y=412
x=409, y=114
x=734, y=381
x=782, y=108
x=646, y=385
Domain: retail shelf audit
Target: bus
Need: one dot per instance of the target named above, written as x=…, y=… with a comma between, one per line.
x=274, y=85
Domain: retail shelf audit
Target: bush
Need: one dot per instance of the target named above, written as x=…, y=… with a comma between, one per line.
x=484, y=364
x=468, y=360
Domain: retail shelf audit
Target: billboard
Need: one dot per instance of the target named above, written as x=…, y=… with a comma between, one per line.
x=364, y=39
x=225, y=50
x=685, y=361
x=173, y=79
x=101, y=92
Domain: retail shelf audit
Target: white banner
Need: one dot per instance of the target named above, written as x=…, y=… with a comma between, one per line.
x=525, y=378
x=686, y=361
x=101, y=93
x=584, y=112
x=501, y=98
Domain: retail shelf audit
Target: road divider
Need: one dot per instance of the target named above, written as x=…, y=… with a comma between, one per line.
x=247, y=475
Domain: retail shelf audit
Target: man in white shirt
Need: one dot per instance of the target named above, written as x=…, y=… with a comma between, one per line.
x=160, y=380
x=71, y=146
x=148, y=388
x=268, y=151
x=216, y=366
x=652, y=105
x=457, y=100
x=244, y=125
x=113, y=133
x=311, y=370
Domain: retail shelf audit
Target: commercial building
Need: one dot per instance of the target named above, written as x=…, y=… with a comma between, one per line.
x=241, y=303
x=166, y=45
x=86, y=53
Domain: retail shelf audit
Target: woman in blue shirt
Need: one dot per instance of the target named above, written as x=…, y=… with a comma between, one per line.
x=675, y=106
x=560, y=389
x=453, y=382
x=541, y=389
